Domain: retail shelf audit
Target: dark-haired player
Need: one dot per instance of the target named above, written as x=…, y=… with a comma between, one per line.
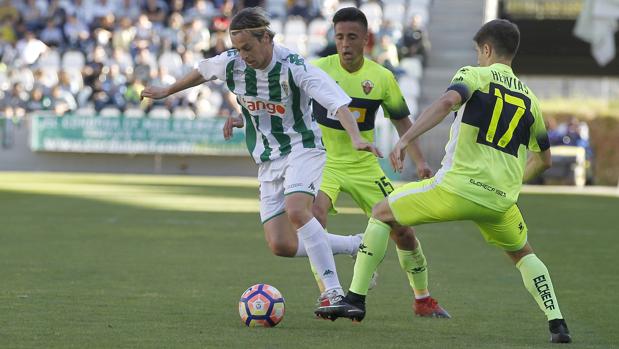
x=498, y=118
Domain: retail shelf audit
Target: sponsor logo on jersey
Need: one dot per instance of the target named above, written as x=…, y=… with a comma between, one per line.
x=258, y=105
x=487, y=187
x=367, y=86
x=358, y=113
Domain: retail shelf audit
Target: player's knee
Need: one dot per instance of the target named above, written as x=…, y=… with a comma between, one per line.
x=517, y=255
x=299, y=216
x=382, y=212
x=404, y=237
x=399, y=233
x=282, y=248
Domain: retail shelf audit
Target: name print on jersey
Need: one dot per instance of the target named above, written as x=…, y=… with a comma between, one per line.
x=510, y=81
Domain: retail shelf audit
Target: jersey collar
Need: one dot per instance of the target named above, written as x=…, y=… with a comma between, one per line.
x=502, y=67
x=339, y=63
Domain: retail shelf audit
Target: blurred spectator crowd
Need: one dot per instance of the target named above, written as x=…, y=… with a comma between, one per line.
x=572, y=132
x=95, y=56
x=572, y=155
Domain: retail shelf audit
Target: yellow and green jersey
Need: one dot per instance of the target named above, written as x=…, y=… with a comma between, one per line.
x=370, y=87
x=498, y=120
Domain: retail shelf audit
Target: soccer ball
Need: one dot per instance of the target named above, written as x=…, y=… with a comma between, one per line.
x=261, y=305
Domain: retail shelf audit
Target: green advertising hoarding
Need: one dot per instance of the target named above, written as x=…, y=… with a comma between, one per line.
x=122, y=135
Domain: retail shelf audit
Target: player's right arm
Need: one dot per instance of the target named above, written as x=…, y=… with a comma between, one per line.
x=395, y=108
x=191, y=79
x=205, y=70
x=414, y=151
x=321, y=87
x=429, y=118
x=462, y=86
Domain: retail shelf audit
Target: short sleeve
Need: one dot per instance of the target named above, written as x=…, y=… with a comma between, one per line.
x=465, y=82
x=538, y=140
x=393, y=103
x=215, y=67
x=319, y=86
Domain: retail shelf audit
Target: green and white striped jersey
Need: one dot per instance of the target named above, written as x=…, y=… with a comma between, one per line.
x=276, y=101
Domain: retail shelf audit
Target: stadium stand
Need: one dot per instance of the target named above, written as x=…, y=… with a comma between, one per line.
x=94, y=57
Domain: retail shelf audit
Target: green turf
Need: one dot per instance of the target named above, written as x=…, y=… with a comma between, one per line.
x=89, y=261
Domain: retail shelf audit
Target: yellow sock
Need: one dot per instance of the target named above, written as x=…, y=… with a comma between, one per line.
x=537, y=281
x=371, y=253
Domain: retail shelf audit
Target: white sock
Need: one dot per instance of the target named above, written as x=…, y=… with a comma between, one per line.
x=319, y=252
x=340, y=244
x=344, y=244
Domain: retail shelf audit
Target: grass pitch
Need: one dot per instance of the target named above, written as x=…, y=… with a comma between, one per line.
x=107, y=261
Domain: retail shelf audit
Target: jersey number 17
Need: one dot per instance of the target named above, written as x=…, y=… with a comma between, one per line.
x=509, y=109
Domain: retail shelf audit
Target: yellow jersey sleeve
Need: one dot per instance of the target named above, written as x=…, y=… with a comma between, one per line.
x=465, y=82
x=538, y=140
x=393, y=103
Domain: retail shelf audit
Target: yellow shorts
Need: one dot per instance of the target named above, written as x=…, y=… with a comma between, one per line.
x=426, y=202
x=366, y=183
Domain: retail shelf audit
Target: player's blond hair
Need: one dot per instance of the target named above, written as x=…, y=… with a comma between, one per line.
x=253, y=20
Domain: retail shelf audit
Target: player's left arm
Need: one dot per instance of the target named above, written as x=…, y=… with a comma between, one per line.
x=321, y=87
x=395, y=108
x=429, y=118
x=349, y=123
x=413, y=149
x=537, y=163
x=540, y=158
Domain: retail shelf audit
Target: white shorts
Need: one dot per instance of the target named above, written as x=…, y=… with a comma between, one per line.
x=299, y=171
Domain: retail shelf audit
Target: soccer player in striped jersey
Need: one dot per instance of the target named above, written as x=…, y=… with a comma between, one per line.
x=497, y=119
x=370, y=86
x=274, y=87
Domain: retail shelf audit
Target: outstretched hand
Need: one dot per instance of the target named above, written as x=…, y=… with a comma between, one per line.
x=231, y=123
x=397, y=156
x=154, y=92
x=423, y=170
x=369, y=147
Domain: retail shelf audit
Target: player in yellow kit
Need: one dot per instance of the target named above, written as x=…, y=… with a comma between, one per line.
x=498, y=119
x=370, y=86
